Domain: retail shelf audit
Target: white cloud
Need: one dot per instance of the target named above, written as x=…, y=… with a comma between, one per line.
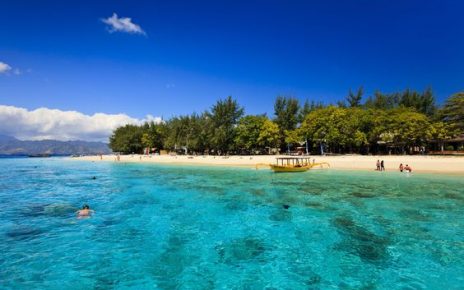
x=4, y=68
x=122, y=24
x=44, y=123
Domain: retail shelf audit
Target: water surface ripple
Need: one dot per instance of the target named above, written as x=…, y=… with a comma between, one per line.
x=169, y=227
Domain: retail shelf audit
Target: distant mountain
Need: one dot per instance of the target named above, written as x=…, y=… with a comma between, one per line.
x=12, y=146
x=7, y=138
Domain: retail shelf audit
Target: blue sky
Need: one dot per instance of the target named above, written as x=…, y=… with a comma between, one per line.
x=194, y=52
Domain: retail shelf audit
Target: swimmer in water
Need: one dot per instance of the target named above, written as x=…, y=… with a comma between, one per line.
x=85, y=212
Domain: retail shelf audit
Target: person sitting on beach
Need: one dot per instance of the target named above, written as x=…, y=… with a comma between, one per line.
x=85, y=211
x=401, y=167
x=378, y=165
x=408, y=168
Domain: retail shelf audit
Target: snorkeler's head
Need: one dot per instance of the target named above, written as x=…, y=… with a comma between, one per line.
x=85, y=206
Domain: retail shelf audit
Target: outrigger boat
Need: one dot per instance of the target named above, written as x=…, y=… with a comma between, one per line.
x=293, y=164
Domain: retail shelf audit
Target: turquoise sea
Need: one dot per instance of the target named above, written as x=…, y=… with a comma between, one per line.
x=171, y=227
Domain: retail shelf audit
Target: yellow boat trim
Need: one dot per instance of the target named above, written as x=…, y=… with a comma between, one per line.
x=292, y=168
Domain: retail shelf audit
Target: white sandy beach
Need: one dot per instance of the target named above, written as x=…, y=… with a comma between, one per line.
x=430, y=164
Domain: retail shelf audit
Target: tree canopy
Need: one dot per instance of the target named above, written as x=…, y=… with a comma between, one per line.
x=224, y=117
x=453, y=112
x=396, y=121
x=354, y=99
x=127, y=139
x=248, y=132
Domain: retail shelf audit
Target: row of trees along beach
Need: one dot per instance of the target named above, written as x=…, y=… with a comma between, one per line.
x=407, y=122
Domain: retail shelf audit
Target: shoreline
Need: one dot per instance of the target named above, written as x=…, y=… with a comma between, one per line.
x=449, y=165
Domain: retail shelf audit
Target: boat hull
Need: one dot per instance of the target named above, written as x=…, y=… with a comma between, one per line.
x=278, y=168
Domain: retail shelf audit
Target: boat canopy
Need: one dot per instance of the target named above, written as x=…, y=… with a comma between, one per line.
x=292, y=161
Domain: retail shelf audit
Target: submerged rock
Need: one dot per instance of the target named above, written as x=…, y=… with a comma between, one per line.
x=24, y=233
x=305, y=273
x=240, y=250
x=281, y=215
x=59, y=209
x=314, y=204
x=360, y=241
x=415, y=214
x=173, y=261
x=257, y=191
x=236, y=206
x=363, y=195
x=49, y=209
x=453, y=195
x=34, y=210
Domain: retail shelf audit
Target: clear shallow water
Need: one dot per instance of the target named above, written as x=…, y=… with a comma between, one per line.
x=167, y=227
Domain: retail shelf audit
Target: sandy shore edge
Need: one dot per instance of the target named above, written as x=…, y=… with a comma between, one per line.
x=420, y=164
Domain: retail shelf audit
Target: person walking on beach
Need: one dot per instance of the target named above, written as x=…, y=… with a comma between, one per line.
x=382, y=166
x=378, y=165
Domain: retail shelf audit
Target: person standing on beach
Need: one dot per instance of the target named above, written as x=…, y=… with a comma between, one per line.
x=378, y=165
x=382, y=166
x=401, y=167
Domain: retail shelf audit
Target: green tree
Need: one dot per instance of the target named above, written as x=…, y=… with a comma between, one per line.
x=247, y=132
x=127, y=139
x=341, y=104
x=293, y=137
x=340, y=128
x=157, y=134
x=354, y=99
x=373, y=123
x=269, y=136
x=152, y=136
x=320, y=126
x=383, y=101
x=427, y=104
x=305, y=110
x=407, y=128
x=147, y=141
x=453, y=112
x=202, y=133
x=178, y=128
x=441, y=132
x=421, y=102
x=189, y=133
x=224, y=117
x=286, y=111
